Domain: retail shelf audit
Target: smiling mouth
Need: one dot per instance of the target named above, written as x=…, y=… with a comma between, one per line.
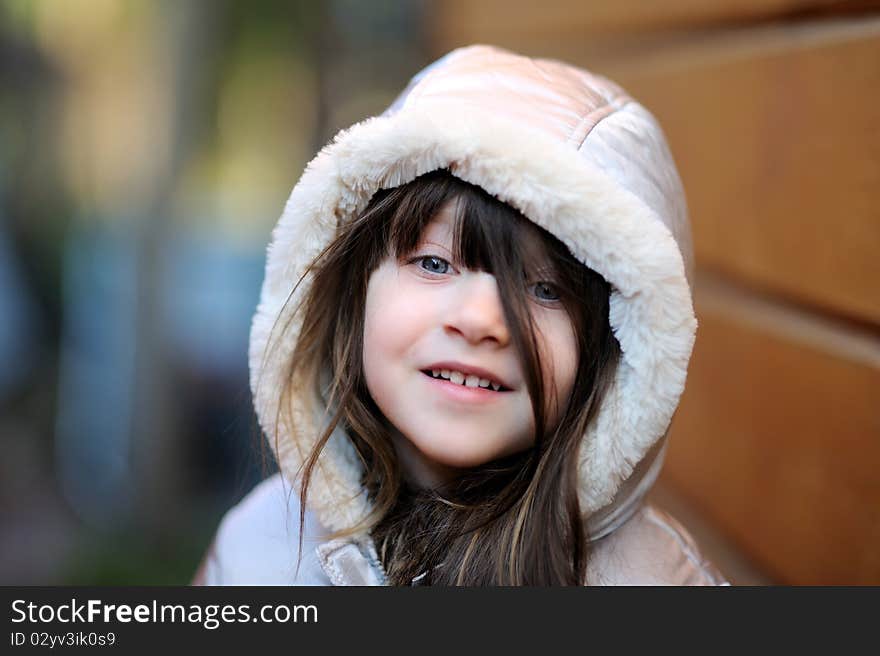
x=458, y=378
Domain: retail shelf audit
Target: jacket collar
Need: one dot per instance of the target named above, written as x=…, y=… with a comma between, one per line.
x=346, y=561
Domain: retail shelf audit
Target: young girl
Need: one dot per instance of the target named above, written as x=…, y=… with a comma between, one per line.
x=473, y=333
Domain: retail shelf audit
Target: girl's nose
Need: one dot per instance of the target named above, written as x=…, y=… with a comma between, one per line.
x=475, y=311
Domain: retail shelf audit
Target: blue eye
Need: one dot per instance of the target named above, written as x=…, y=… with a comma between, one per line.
x=433, y=264
x=545, y=291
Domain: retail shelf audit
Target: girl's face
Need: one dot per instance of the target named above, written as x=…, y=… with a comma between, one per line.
x=425, y=314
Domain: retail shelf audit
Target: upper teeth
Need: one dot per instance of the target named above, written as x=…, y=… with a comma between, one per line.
x=468, y=380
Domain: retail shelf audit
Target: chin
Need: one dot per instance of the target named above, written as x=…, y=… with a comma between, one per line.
x=462, y=453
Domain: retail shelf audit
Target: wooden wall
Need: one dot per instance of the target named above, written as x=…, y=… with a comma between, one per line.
x=772, y=110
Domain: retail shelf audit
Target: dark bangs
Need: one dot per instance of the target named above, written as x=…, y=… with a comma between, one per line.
x=489, y=235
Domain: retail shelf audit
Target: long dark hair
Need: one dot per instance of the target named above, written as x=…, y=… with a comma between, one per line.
x=512, y=521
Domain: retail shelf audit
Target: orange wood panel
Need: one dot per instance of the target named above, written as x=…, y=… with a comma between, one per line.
x=778, y=142
x=777, y=439
x=512, y=23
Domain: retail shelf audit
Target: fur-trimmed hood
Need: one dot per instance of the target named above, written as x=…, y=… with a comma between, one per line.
x=577, y=156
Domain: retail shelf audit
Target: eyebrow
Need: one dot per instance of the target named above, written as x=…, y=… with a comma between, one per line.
x=436, y=243
x=423, y=243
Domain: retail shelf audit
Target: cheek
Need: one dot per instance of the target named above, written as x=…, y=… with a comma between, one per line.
x=378, y=338
x=392, y=324
x=560, y=357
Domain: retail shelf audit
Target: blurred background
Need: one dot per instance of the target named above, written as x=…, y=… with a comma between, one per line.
x=147, y=149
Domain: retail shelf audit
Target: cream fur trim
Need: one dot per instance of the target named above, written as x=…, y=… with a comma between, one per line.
x=605, y=226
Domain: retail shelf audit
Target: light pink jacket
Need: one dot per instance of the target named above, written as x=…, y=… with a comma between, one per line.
x=258, y=540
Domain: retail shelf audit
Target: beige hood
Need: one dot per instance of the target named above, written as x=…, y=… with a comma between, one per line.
x=574, y=154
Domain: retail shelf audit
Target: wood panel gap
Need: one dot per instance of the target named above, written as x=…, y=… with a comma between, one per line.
x=811, y=326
